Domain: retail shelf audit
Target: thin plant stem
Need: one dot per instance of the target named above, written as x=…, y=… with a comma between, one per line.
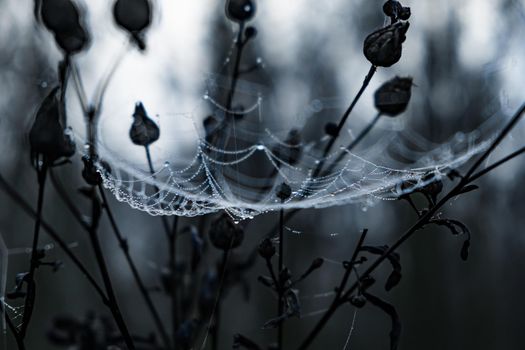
x=493, y=166
x=171, y=235
x=217, y=316
x=418, y=225
x=503, y=133
x=172, y=239
x=280, y=301
x=113, y=304
x=103, y=86
x=235, y=76
x=17, y=198
x=225, y=257
x=29, y=302
x=338, y=296
x=109, y=298
x=342, y=122
x=353, y=144
x=138, y=279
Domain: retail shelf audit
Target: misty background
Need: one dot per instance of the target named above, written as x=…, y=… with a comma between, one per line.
x=467, y=61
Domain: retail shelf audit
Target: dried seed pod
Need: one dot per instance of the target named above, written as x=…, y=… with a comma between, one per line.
x=240, y=10
x=91, y=173
x=143, y=131
x=225, y=234
x=47, y=137
x=292, y=149
x=405, y=13
x=384, y=46
x=266, y=249
x=250, y=33
x=284, y=191
x=392, y=98
x=392, y=8
x=62, y=18
x=134, y=16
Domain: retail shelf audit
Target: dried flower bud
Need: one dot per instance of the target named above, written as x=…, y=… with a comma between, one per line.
x=331, y=129
x=250, y=33
x=143, y=131
x=134, y=16
x=284, y=192
x=392, y=98
x=62, y=18
x=383, y=47
x=266, y=249
x=240, y=10
x=392, y=8
x=47, y=136
x=358, y=301
x=225, y=234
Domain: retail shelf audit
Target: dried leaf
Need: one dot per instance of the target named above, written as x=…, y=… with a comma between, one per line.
x=390, y=310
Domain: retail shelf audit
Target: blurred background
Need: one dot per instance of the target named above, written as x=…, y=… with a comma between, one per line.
x=467, y=62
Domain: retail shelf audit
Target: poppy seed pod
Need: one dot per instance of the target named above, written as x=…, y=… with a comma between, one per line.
x=47, y=136
x=134, y=16
x=62, y=18
x=392, y=98
x=240, y=10
x=225, y=234
x=143, y=131
x=383, y=47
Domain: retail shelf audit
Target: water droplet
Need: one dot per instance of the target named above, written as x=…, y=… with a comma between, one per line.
x=259, y=60
x=166, y=164
x=43, y=84
x=247, y=8
x=260, y=147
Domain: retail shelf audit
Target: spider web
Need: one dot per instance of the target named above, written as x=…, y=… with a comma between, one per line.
x=236, y=159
